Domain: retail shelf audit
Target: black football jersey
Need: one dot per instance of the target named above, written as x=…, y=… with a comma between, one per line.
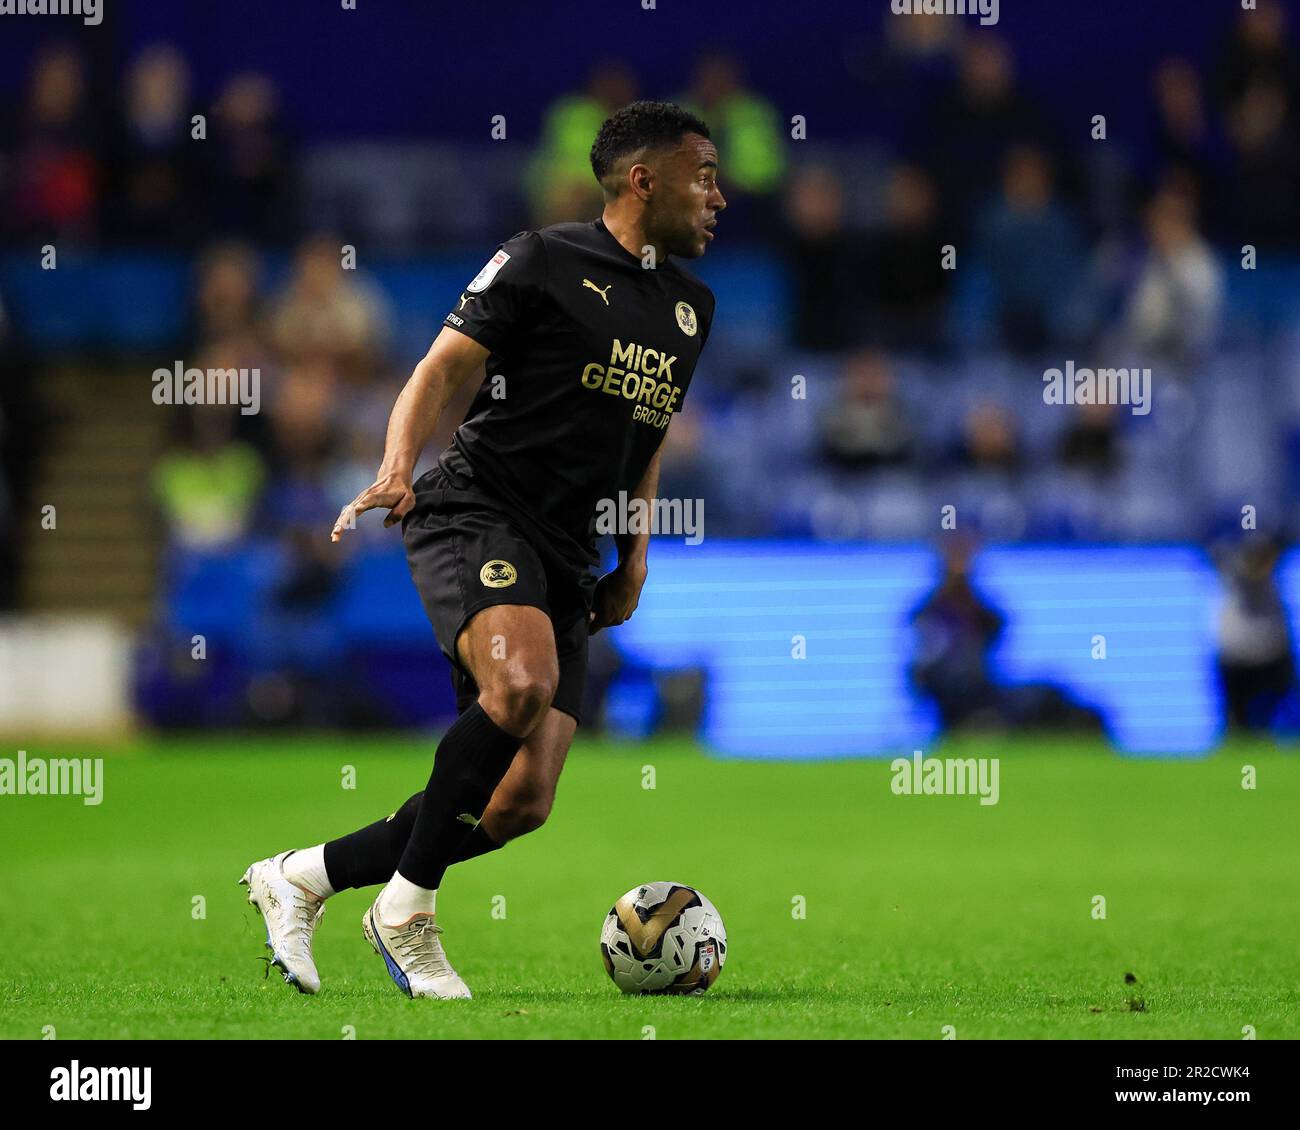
x=591, y=357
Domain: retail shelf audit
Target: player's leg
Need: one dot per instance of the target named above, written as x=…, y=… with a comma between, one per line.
x=522, y=801
x=291, y=887
x=510, y=651
x=369, y=856
x=520, y=804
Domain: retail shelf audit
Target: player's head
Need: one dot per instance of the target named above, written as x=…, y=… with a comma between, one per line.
x=657, y=158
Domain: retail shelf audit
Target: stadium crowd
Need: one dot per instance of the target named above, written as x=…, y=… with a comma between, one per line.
x=920, y=369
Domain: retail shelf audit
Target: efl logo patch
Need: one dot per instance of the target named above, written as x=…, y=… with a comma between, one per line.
x=686, y=319
x=484, y=278
x=498, y=574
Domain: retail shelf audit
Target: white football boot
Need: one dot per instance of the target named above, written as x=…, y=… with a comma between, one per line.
x=291, y=915
x=414, y=956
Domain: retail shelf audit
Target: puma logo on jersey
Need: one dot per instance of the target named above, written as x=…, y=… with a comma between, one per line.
x=604, y=295
x=466, y=298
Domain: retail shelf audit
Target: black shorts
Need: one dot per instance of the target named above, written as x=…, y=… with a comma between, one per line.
x=467, y=551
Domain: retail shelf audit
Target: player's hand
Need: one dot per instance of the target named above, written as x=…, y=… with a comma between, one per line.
x=617, y=595
x=391, y=491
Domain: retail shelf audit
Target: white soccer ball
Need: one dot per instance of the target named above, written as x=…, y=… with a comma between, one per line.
x=663, y=938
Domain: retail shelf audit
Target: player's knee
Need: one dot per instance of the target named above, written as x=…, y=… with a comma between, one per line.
x=520, y=695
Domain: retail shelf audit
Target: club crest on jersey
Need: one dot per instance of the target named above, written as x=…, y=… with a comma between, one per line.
x=686, y=319
x=484, y=278
x=498, y=574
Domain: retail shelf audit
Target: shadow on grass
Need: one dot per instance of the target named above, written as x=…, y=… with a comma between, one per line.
x=604, y=996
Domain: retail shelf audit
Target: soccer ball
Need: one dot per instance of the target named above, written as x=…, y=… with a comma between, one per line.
x=663, y=938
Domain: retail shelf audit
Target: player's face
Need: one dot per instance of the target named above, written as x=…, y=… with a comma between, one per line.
x=685, y=206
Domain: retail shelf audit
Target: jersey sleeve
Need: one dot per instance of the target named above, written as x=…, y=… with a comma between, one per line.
x=502, y=298
x=706, y=319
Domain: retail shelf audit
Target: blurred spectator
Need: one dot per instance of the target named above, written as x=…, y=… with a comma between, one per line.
x=957, y=628
x=1266, y=189
x=1256, y=52
x=312, y=573
x=360, y=419
x=208, y=483
x=688, y=472
x=988, y=442
x=827, y=263
x=1033, y=249
x=227, y=303
x=974, y=124
x=53, y=183
x=251, y=168
x=1256, y=663
x=1185, y=139
x=561, y=185
x=302, y=430
x=911, y=285
x=867, y=426
x=1175, y=302
x=1223, y=144
x=154, y=168
x=301, y=676
x=898, y=63
x=326, y=314
x=748, y=131
x=924, y=38
x=1091, y=442
x=245, y=349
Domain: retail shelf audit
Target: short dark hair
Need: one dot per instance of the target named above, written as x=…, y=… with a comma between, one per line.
x=637, y=126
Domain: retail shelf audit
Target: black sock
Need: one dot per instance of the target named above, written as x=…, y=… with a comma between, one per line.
x=476, y=842
x=370, y=855
x=471, y=759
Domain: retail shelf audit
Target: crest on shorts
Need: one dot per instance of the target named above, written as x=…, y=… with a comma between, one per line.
x=686, y=319
x=484, y=278
x=498, y=574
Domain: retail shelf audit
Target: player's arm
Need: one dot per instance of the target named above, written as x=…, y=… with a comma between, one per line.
x=452, y=359
x=619, y=591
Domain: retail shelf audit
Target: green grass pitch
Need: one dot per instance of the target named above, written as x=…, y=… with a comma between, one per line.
x=920, y=912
